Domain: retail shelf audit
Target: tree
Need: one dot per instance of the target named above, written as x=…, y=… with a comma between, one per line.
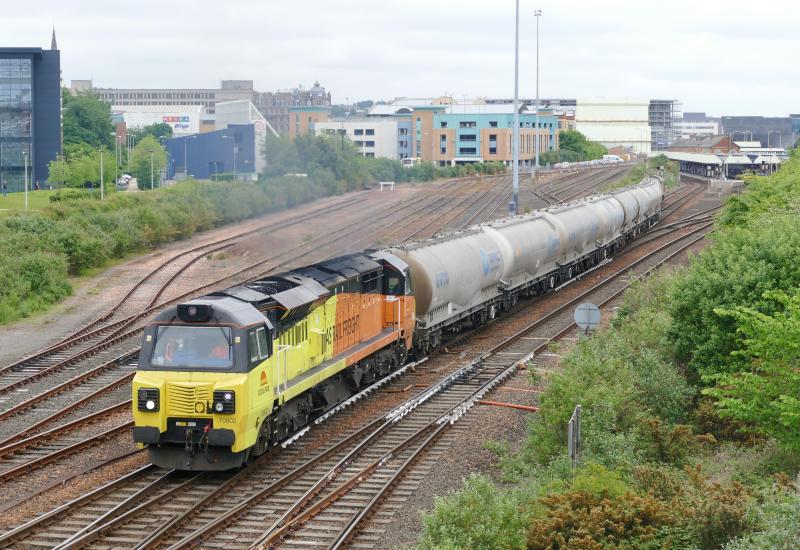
x=87, y=121
x=159, y=130
x=767, y=395
x=573, y=146
x=79, y=167
x=149, y=158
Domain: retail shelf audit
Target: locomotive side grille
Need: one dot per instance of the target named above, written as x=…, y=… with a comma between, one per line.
x=181, y=399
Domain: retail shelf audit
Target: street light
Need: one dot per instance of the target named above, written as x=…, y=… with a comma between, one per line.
x=25, y=164
x=536, y=137
x=102, y=193
x=780, y=137
x=514, y=206
x=186, y=156
x=151, y=170
x=234, y=154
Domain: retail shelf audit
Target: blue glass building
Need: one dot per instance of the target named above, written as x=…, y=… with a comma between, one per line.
x=207, y=155
x=30, y=114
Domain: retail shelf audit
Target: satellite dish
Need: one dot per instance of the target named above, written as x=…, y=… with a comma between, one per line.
x=587, y=316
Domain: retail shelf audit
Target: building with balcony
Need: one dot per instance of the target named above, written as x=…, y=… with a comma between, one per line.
x=466, y=133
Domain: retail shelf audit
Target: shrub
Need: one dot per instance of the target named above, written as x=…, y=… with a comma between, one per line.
x=477, y=517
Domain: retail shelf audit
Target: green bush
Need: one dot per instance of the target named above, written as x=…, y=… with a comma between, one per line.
x=776, y=520
x=477, y=517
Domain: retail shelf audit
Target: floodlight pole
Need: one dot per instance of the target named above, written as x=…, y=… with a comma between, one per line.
x=102, y=192
x=537, y=136
x=514, y=206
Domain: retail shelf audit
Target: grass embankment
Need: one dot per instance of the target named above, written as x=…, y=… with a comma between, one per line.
x=690, y=410
x=15, y=202
x=641, y=170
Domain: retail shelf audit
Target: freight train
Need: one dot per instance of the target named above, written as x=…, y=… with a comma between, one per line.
x=224, y=377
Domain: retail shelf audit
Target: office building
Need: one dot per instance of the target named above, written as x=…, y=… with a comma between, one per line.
x=461, y=133
x=372, y=137
x=280, y=108
x=30, y=114
x=229, y=90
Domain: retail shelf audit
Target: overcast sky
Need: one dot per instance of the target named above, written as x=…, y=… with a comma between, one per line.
x=722, y=57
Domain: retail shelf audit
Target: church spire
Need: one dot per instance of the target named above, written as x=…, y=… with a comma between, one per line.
x=53, y=45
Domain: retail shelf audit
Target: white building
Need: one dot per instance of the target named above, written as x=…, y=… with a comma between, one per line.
x=244, y=112
x=692, y=129
x=615, y=122
x=183, y=119
x=372, y=137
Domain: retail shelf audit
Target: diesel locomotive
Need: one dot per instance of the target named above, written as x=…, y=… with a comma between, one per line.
x=224, y=377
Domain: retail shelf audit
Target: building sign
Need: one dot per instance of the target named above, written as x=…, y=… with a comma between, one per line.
x=177, y=122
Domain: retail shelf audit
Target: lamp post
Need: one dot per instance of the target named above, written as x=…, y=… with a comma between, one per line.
x=151, y=171
x=25, y=164
x=186, y=157
x=102, y=191
x=234, y=154
x=514, y=206
x=537, y=137
x=780, y=137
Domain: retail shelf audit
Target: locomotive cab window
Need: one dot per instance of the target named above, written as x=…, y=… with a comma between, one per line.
x=395, y=284
x=193, y=347
x=258, y=345
x=370, y=281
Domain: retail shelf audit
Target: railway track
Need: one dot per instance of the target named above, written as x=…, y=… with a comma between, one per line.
x=371, y=471
x=109, y=348
x=129, y=308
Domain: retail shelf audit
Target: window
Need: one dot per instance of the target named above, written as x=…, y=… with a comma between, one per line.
x=370, y=155
x=468, y=137
x=370, y=281
x=369, y=143
x=403, y=144
x=493, y=124
x=402, y=131
x=370, y=131
x=443, y=124
x=466, y=151
x=193, y=348
x=467, y=124
x=492, y=150
x=358, y=143
x=443, y=150
x=492, y=137
x=358, y=132
x=263, y=349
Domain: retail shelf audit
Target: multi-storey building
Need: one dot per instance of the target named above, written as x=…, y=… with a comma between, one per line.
x=770, y=131
x=460, y=134
x=615, y=122
x=372, y=137
x=695, y=125
x=229, y=90
x=275, y=106
x=30, y=114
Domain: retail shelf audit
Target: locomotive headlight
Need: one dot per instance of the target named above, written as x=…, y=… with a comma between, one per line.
x=147, y=399
x=224, y=402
